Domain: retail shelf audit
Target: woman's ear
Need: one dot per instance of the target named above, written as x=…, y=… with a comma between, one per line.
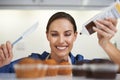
x=47, y=36
x=75, y=35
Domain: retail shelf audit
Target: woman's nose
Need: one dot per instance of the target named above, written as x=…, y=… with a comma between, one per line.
x=61, y=39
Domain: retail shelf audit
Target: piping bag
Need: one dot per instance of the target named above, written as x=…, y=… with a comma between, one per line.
x=113, y=11
x=26, y=33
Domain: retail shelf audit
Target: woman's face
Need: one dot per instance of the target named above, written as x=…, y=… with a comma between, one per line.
x=61, y=36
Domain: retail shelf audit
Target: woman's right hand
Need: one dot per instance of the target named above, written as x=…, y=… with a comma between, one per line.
x=6, y=53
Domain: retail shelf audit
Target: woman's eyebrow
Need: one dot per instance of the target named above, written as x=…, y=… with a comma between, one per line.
x=53, y=31
x=65, y=31
x=68, y=31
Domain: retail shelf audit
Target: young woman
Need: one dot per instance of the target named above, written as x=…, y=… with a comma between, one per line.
x=61, y=32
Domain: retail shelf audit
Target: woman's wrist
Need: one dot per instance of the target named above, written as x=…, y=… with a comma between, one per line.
x=104, y=44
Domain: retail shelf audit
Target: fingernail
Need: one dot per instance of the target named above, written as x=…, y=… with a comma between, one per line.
x=94, y=28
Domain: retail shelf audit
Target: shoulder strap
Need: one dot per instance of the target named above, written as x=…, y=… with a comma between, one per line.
x=39, y=56
x=77, y=58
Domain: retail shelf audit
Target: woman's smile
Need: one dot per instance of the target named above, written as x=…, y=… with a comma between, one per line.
x=61, y=48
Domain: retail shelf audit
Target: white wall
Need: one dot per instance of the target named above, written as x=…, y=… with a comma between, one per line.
x=14, y=22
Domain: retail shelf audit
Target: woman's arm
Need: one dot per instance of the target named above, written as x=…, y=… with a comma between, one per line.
x=106, y=29
x=113, y=52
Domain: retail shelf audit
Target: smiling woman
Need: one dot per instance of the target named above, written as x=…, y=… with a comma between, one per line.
x=61, y=32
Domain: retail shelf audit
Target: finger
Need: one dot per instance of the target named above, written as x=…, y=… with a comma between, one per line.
x=5, y=51
x=2, y=55
x=104, y=27
x=9, y=47
x=0, y=47
x=108, y=24
x=112, y=23
x=113, y=20
x=103, y=33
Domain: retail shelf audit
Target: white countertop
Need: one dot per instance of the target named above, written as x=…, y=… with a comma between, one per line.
x=7, y=76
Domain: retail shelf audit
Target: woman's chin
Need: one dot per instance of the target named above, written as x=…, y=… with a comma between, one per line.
x=62, y=55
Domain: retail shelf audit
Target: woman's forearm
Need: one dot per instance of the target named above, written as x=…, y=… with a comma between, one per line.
x=112, y=52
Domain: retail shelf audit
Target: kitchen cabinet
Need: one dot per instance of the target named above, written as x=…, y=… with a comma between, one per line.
x=54, y=4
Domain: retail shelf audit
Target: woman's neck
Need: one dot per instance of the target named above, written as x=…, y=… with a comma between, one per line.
x=59, y=59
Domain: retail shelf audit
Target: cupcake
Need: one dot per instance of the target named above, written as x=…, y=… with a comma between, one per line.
x=29, y=68
x=79, y=69
x=41, y=68
x=52, y=67
x=64, y=68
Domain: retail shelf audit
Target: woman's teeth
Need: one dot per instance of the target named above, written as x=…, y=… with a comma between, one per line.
x=61, y=48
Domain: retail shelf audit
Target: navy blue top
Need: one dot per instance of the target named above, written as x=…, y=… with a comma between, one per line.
x=10, y=67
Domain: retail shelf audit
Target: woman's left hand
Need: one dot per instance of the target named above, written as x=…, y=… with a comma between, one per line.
x=106, y=29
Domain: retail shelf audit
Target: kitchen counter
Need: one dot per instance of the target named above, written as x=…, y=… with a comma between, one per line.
x=7, y=76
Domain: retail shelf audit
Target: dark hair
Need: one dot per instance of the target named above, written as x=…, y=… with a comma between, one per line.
x=59, y=15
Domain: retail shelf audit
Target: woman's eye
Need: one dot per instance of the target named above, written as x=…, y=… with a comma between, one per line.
x=68, y=34
x=54, y=35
